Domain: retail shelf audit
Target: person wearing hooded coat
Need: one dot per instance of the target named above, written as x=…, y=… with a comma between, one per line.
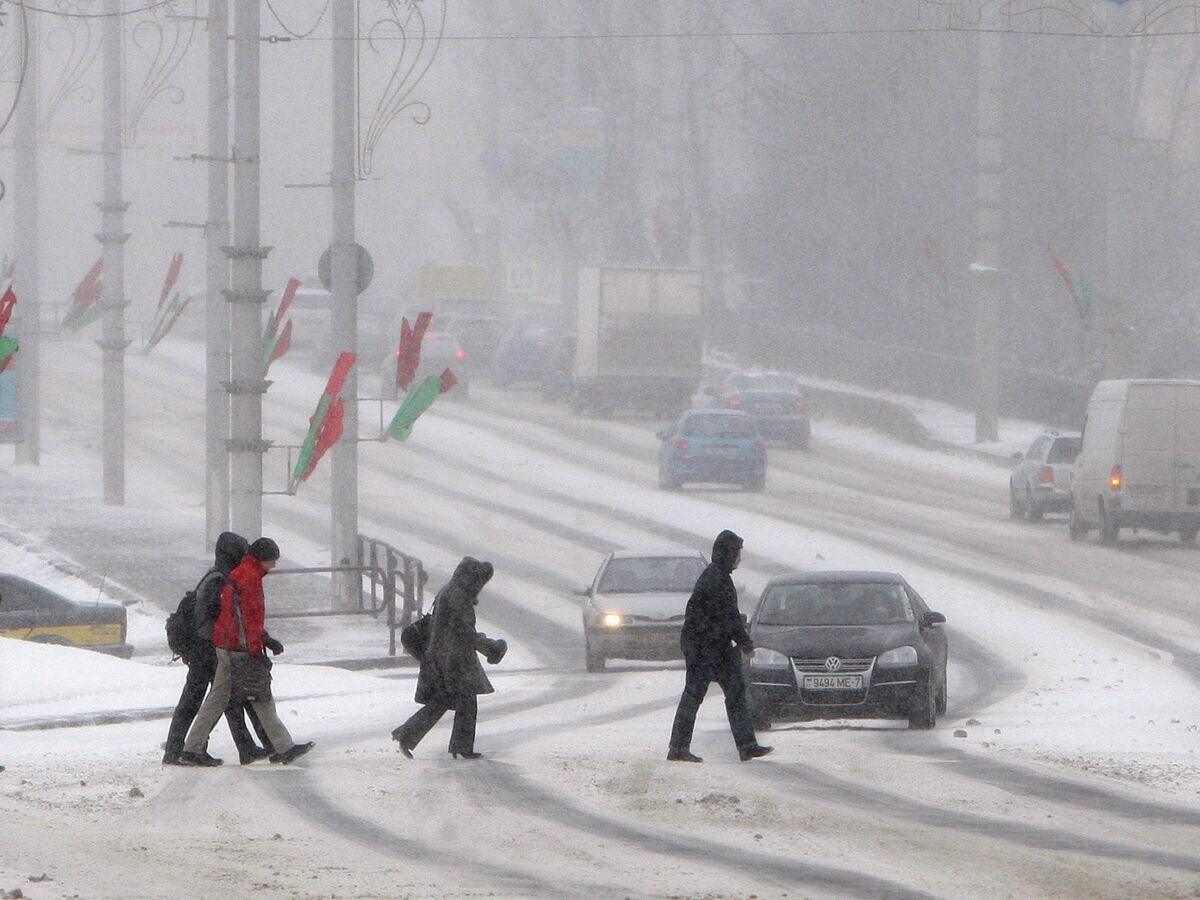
x=712, y=625
x=451, y=676
x=201, y=662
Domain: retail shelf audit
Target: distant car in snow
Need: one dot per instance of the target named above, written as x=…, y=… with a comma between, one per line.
x=31, y=612
x=440, y=350
x=1041, y=481
x=635, y=605
x=714, y=446
x=775, y=403
x=837, y=645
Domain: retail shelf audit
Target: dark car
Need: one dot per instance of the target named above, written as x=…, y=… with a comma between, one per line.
x=1041, y=481
x=31, y=612
x=775, y=402
x=838, y=645
x=635, y=605
x=712, y=445
x=524, y=354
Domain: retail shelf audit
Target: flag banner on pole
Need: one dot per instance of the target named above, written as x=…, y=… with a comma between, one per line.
x=1081, y=294
x=417, y=401
x=408, y=354
x=167, y=317
x=275, y=347
x=172, y=276
x=84, y=309
x=285, y=302
x=8, y=351
x=325, y=426
x=7, y=302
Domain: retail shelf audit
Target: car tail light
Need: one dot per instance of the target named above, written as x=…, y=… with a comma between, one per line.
x=799, y=405
x=1114, y=478
x=732, y=402
x=1046, y=476
x=759, y=447
x=461, y=354
x=682, y=445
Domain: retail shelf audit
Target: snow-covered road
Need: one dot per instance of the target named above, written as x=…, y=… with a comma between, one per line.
x=1075, y=676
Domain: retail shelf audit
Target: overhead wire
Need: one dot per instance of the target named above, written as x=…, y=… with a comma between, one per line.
x=82, y=15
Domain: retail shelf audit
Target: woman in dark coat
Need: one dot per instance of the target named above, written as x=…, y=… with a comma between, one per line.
x=451, y=676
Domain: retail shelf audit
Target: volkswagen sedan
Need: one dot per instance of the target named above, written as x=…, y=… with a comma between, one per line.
x=837, y=645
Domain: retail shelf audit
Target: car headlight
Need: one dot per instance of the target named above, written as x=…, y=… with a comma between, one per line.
x=612, y=620
x=901, y=656
x=765, y=658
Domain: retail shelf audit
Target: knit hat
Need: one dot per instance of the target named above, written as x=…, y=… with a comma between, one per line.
x=264, y=549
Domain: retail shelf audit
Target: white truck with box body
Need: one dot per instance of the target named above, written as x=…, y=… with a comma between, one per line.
x=1139, y=466
x=639, y=339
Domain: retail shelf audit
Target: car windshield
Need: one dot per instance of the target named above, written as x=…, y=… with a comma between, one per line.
x=719, y=426
x=1063, y=450
x=635, y=575
x=765, y=383
x=871, y=603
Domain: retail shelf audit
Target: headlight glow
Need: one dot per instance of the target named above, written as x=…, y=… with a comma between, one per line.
x=765, y=658
x=901, y=656
x=612, y=619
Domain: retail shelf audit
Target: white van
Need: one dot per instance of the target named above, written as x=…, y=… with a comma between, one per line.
x=1139, y=466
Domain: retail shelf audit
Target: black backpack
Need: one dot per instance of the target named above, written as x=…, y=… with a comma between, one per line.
x=414, y=637
x=181, y=624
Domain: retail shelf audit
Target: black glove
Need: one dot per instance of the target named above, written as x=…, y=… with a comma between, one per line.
x=496, y=650
x=273, y=645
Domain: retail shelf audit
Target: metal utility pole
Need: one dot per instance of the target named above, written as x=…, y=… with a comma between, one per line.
x=27, y=260
x=986, y=270
x=216, y=237
x=112, y=238
x=247, y=296
x=1118, y=238
x=344, y=278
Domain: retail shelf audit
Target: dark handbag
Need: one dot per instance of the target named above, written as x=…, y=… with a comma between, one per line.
x=414, y=637
x=250, y=676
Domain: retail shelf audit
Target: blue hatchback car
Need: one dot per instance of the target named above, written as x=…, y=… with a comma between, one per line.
x=712, y=445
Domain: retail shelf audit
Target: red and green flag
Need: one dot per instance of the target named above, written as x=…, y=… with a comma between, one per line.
x=325, y=426
x=8, y=345
x=417, y=401
x=84, y=308
x=276, y=342
x=1081, y=294
x=408, y=354
x=167, y=313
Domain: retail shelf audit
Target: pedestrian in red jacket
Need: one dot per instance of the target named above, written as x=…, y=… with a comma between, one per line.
x=243, y=668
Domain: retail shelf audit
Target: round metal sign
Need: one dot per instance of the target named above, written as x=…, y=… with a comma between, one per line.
x=366, y=269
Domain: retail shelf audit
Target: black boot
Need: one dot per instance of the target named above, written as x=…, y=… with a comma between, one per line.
x=292, y=754
x=754, y=751
x=683, y=756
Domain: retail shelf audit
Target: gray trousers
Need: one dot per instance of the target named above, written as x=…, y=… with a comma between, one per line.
x=214, y=707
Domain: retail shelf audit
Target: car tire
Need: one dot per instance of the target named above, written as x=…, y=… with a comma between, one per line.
x=1188, y=535
x=1110, y=531
x=799, y=443
x=941, y=698
x=667, y=481
x=1076, y=528
x=1032, y=513
x=1014, y=508
x=924, y=716
x=593, y=661
x=758, y=485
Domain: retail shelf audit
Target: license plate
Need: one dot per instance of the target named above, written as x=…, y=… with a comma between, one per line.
x=722, y=451
x=833, y=682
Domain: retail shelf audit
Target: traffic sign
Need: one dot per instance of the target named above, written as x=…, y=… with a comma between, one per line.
x=366, y=269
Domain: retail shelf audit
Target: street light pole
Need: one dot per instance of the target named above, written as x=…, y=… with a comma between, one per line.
x=112, y=238
x=988, y=286
x=344, y=279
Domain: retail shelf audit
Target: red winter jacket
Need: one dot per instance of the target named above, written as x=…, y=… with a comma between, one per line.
x=247, y=578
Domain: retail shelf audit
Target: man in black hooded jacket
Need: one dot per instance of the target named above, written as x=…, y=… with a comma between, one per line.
x=202, y=661
x=712, y=625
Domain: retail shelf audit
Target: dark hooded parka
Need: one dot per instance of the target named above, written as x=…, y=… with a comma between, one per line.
x=712, y=622
x=451, y=671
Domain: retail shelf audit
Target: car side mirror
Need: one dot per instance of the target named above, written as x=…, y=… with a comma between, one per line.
x=584, y=592
x=1018, y=456
x=933, y=618
x=661, y=435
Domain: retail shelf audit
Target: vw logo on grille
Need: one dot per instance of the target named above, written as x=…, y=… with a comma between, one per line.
x=833, y=664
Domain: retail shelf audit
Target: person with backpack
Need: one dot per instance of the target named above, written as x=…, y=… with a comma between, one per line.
x=190, y=636
x=243, y=669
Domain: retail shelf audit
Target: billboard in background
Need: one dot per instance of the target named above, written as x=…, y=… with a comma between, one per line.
x=10, y=427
